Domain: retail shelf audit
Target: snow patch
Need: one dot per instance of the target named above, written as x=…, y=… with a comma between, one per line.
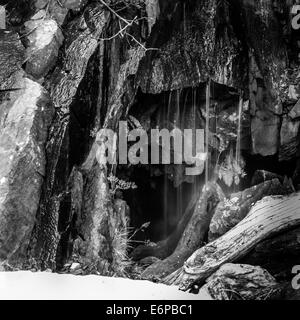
x=50, y=286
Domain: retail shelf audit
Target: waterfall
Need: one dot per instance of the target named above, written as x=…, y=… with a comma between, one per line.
x=207, y=114
x=239, y=129
x=166, y=121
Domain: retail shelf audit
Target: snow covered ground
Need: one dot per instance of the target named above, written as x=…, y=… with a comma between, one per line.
x=51, y=286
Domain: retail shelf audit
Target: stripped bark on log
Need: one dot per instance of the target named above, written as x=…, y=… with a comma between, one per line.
x=193, y=236
x=231, y=211
x=268, y=217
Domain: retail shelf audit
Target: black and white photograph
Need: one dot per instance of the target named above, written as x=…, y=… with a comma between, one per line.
x=150, y=151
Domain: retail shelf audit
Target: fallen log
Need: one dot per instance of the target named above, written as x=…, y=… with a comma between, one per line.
x=231, y=211
x=268, y=217
x=241, y=282
x=193, y=236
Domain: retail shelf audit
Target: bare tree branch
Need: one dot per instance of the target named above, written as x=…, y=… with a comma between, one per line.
x=123, y=30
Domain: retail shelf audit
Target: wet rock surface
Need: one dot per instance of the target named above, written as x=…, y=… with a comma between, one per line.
x=44, y=40
x=11, y=58
x=25, y=119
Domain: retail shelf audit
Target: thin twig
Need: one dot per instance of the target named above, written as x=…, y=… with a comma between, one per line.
x=128, y=23
x=113, y=11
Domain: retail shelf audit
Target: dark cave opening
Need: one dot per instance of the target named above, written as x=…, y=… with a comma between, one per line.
x=164, y=191
x=158, y=201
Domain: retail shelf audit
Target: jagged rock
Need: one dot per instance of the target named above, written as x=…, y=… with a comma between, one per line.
x=104, y=227
x=80, y=45
x=55, y=9
x=12, y=56
x=194, y=51
x=44, y=40
x=75, y=266
x=96, y=214
x=241, y=282
x=121, y=91
x=295, y=112
x=265, y=129
x=25, y=118
x=289, y=139
x=268, y=66
x=153, y=11
x=73, y=4
x=293, y=93
x=268, y=57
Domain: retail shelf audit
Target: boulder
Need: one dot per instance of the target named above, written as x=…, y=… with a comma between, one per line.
x=265, y=134
x=44, y=40
x=24, y=120
x=193, y=51
x=289, y=139
x=295, y=112
x=12, y=56
x=241, y=282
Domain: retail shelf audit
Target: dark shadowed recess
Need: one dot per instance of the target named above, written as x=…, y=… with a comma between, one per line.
x=82, y=122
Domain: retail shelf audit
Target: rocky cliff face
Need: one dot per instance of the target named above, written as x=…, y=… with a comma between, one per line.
x=92, y=61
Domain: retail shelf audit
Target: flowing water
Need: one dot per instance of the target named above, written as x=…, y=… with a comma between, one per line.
x=183, y=117
x=207, y=115
x=239, y=129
